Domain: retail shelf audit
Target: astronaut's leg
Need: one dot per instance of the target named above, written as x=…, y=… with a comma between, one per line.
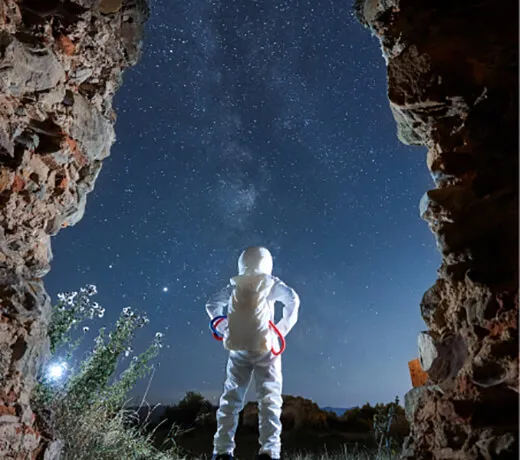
x=268, y=379
x=239, y=372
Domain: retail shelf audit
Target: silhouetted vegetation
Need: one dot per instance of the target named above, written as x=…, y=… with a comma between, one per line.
x=188, y=410
x=306, y=427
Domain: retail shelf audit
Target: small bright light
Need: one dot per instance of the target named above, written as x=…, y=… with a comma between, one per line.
x=165, y=289
x=56, y=371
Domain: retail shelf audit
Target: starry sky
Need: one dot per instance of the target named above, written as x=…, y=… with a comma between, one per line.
x=260, y=123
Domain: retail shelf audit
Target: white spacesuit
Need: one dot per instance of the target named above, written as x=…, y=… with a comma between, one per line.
x=250, y=300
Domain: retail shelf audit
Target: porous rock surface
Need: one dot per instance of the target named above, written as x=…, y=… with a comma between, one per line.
x=452, y=70
x=60, y=63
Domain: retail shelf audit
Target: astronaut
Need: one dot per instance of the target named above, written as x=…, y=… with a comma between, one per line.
x=249, y=300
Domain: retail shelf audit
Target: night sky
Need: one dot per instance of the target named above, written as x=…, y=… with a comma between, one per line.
x=265, y=124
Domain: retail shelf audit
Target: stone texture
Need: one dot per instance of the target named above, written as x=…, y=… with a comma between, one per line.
x=26, y=70
x=93, y=133
x=452, y=86
x=60, y=65
x=441, y=357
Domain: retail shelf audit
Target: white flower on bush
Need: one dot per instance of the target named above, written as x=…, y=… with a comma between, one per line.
x=158, y=339
x=91, y=290
x=67, y=298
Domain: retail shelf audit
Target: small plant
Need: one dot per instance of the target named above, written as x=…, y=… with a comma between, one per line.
x=83, y=405
x=382, y=424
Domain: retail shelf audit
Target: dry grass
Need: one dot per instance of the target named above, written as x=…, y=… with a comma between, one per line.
x=103, y=436
x=345, y=454
x=98, y=434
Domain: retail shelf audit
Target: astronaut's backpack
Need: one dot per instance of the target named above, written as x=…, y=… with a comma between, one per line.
x=250, y=313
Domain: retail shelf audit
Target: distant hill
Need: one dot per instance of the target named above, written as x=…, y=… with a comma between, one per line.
x=339, y=411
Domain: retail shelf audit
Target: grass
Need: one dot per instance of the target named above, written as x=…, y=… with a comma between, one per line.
x=103, y=435
x=346, y=454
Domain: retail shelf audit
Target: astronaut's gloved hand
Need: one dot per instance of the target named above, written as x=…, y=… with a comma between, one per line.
x=222, y=327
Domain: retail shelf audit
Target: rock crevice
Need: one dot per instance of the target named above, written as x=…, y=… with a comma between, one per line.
x=61, y=62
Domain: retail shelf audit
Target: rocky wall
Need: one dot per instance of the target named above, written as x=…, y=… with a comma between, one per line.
x=61, y=62
x=452, y=70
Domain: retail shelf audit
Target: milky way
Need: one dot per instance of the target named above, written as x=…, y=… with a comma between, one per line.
x=260, y=123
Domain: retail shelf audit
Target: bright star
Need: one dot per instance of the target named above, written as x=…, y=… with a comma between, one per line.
x=165, y=289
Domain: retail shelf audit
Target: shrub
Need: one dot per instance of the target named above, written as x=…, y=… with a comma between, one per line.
x=85, y=411
x=188, y=409
x=358, y=420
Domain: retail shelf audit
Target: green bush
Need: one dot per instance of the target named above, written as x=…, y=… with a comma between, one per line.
x=83, y=405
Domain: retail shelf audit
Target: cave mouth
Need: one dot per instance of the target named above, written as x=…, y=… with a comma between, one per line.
x=452, y=87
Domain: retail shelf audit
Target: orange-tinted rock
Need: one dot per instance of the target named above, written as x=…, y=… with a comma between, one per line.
x=418, y=376
x=66, y=45
x=18, y=184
